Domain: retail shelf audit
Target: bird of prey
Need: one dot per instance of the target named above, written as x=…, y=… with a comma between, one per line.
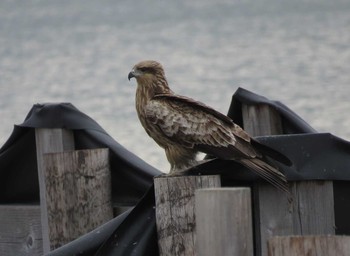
x=183, y=127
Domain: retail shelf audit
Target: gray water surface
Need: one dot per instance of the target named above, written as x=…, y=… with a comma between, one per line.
x=297, y=52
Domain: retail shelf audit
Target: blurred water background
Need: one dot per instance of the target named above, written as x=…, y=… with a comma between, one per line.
x=81, y=51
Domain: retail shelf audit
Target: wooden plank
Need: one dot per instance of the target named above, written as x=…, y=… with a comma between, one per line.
x=259, y=120
x=78, y=193
x=20, y=230
x=312, y=209
x=309, y=246
x=224, y=222
x=49, y=141
x=175, y=214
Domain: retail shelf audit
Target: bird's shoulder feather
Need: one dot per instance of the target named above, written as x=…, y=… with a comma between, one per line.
x=191, y=122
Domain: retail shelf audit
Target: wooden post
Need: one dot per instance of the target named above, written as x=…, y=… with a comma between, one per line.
x=309, y=245
x=49, y=141
x=224, y=222
x=78, y=193
x=20, y=232
x=175, y=215
x=260, y=120
x=312, y=209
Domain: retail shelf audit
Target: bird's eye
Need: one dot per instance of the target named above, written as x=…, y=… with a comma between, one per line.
x=147, y=70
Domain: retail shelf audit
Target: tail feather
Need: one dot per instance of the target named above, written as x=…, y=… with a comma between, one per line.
x=268, y=172
x=268, y=151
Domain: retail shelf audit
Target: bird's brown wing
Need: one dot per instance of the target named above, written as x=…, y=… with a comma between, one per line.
x=195, y=125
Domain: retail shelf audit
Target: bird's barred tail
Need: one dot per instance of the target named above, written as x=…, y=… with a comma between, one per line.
x=268, y=172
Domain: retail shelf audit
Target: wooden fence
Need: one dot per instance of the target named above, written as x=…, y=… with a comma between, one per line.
x=220, y=221
x=194, y=215
x=75, y=197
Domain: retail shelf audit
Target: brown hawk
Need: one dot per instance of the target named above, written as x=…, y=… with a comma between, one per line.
x=184, y=127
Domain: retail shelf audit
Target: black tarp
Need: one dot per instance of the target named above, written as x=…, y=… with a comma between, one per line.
x=131, y=176
x=314, y=156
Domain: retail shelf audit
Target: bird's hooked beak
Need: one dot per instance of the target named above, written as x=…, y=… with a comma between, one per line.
x=134, y=73
x=131, y=75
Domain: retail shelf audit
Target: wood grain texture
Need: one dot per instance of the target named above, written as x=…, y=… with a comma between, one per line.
x=78, y=193
x=224, y=222
x=309, y=246
x=312, y=208
x=261, y=120
x=20, y=230
x=175, y=214
x=49, y=141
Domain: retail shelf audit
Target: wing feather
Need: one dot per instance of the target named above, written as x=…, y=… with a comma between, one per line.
x=193, y=124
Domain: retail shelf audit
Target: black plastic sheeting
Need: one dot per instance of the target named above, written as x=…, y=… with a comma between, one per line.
x=314, y=156
x=131, y=176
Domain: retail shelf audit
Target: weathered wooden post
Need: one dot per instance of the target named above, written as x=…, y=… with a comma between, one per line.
x=75, y=187
x=49, y=141
x=20, y=232
x=224, y=222
x=309, y=245
x=175, y=213
x=312, y=209
x=78, y=193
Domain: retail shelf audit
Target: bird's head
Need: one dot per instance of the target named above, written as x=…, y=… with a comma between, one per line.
x=147, y=70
